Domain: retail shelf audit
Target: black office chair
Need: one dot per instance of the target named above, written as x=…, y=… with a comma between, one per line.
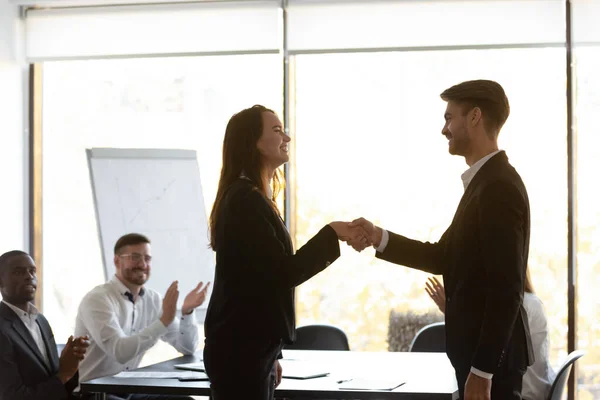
x=430, y=339
x=319, y=337
x=558, y=386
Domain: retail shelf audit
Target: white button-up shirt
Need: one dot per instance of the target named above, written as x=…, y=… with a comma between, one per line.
x=29, y=319
x=469, y=174
x=121, y=331
x=539, y=377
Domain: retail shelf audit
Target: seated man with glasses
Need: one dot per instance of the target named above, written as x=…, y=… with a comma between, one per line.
x=124, y=318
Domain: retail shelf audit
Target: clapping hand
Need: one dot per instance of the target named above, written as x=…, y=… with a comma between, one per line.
x=279, y=373
x=169, y=304
x=80, y=345
x=436, y=291
x=73, y=352
x=195, y=298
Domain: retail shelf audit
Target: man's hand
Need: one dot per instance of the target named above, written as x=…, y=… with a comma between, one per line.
x=72, y=354
x=373, y=232
x=355, y=236
x=436, y=291
x=169, y=304
x=195, y=298
x=80, y=345
x=478, y=388
x=279, y=373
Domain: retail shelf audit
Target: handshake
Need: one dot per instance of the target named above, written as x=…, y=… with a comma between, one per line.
x=359, y=233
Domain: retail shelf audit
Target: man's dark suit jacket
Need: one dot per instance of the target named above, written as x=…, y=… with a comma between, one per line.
x=483, y=258
x=23, y=373
x=257, y=270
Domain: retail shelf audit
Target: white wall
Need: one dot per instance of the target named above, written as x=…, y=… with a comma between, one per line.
x=13, y=131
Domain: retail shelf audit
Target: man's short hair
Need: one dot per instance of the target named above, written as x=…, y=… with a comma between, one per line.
x=7, y=256
x=130, y=239
x=488, y=95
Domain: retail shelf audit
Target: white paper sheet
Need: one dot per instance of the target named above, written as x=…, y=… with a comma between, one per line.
x=161, y=375
x=370, y=384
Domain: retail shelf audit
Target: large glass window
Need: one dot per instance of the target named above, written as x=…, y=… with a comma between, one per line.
x=13, y=202
x=181, y=103
x=367, y=139
x=588, y=221
x=373, y=121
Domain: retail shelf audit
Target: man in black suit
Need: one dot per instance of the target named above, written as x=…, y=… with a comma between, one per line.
x=29, y=364
x=482, y=255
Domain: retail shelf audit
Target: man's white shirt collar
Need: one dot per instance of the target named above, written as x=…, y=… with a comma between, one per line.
x=469, y=174
x=31, y=312
x=121, y=286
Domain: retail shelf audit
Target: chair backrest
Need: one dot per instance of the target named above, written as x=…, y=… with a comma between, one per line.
x=558, y=386
x=319, y=337
x=432, y=338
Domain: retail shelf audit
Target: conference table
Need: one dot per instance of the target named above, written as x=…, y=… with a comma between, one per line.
x=419, y=376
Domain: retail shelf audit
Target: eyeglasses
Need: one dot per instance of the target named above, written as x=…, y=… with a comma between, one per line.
x=137, y=257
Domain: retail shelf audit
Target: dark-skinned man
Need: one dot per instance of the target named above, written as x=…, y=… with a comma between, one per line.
x=30, y=368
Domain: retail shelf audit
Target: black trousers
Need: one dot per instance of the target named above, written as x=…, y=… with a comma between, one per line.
x=146, y=397
x=113, y=396
x=506, y=385
x=241, y=369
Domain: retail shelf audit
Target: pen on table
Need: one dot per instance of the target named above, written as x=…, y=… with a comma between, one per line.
x=344, y=380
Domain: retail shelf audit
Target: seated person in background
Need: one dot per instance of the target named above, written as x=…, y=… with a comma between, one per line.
x=29, y=364
x=539, y=377
x=124, y=319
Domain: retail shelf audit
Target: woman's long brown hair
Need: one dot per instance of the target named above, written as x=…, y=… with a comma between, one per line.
x=528, y=286
x=242, y=157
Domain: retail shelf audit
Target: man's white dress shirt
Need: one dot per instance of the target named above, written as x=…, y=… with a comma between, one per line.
x=121, y=331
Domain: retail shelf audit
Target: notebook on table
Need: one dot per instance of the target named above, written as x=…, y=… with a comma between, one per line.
x=184, y=375
x=291, y=369
x=370, y=384
x=195, y=366
x=301, y=370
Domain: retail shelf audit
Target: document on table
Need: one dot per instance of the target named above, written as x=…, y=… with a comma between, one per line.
x=370, y=384
x=196, y=366
x=302, y=370
x=162, y=375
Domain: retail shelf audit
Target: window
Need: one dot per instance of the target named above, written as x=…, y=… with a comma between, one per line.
x=361, y=120
x=373, y=121
x=13, y=205
x=130, y=103
x=588, y=218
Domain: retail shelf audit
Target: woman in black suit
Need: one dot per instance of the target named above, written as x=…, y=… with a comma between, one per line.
x=251, y=312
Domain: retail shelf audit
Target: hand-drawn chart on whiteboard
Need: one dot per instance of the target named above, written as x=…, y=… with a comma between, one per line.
x=157, y=193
